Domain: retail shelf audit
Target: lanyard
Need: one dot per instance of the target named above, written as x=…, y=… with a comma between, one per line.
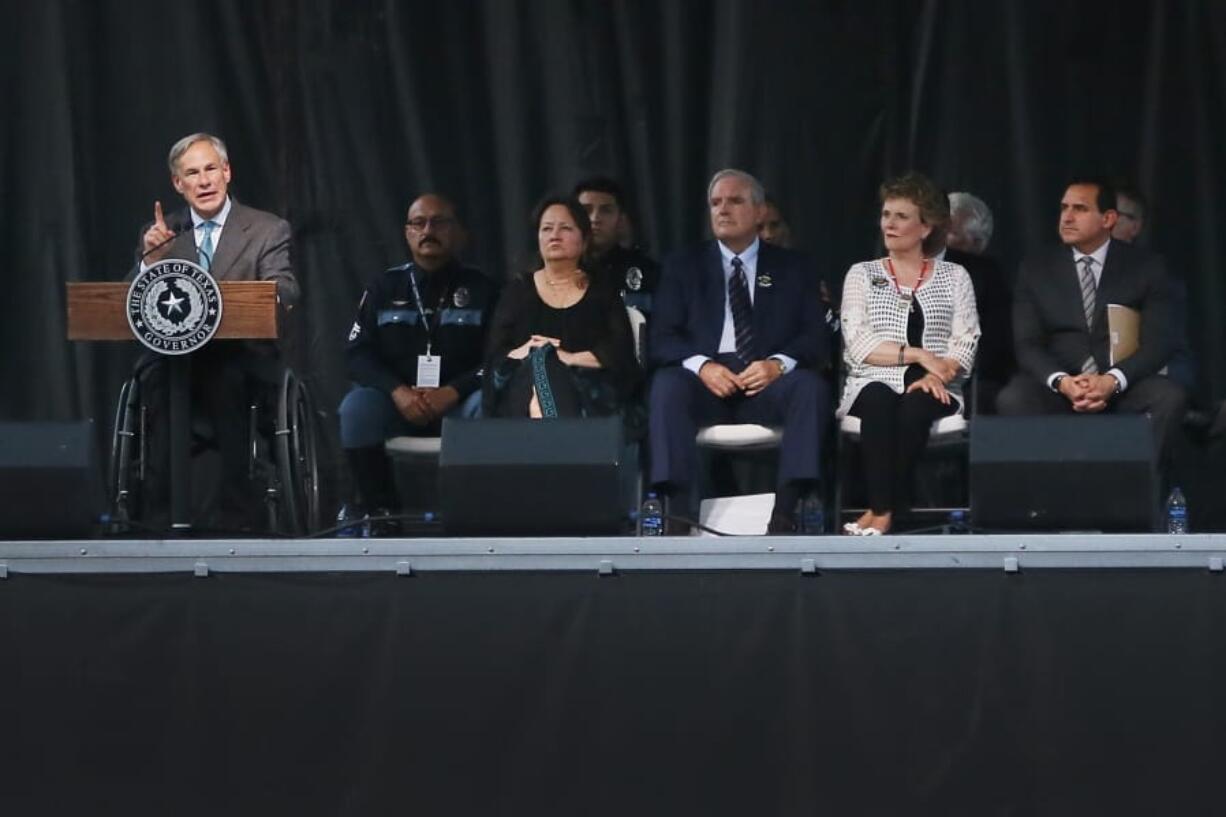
x=421, y=310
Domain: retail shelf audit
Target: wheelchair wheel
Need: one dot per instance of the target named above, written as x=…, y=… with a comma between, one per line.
x=126, y=471
x=296, y=451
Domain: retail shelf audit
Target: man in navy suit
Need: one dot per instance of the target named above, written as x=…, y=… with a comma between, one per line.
x=1060, y=322
x=736, y=337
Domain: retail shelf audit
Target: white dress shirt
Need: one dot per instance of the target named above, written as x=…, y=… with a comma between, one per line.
x=1099, y=258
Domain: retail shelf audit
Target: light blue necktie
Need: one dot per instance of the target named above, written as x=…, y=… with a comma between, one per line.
x=206, y=244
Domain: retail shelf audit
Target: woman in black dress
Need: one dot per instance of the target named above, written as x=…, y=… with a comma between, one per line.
x=558, y=346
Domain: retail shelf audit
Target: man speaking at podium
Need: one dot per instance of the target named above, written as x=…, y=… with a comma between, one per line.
x=234, y=243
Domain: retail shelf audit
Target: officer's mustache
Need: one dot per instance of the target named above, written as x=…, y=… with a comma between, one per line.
x=429, y=240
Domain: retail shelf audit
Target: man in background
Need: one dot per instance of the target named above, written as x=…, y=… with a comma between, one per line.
x=627, y=269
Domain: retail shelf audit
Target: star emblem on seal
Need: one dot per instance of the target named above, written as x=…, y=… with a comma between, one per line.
x=174, y=307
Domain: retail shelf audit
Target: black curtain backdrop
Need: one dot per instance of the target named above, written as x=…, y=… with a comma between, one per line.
x=338, y=113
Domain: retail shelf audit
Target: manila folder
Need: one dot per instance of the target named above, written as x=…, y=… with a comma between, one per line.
x=1124, y=326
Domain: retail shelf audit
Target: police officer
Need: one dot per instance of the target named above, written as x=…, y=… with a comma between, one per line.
x=415, y=350
x=628, y=270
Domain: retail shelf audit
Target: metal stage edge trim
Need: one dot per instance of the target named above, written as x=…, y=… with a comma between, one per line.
x=1010, y=553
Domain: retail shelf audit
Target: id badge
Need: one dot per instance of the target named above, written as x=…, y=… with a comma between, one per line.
x=429, y=367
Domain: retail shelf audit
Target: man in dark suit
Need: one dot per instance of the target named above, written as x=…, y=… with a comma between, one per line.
x=1060, y=321
x=736, y=335
x=234, y=243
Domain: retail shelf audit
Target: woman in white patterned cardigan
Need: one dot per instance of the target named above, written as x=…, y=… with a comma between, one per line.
x=909, y=332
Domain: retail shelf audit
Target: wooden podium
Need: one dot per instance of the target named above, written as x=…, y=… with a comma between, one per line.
x=98, y=311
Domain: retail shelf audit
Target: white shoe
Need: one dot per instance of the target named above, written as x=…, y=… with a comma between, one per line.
x=869, y=532
x=853, y=529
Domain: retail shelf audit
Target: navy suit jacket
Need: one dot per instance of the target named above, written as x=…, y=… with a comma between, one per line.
x=1049, y=324
x=688, y=317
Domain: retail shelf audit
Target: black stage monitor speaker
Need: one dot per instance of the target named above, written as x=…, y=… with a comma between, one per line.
x=520, y=477
x=1063, y=473
x=50, y=483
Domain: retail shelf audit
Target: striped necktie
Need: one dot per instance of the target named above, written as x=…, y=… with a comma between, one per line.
x=1088, y=293
x=205, y=250
x=742, y=311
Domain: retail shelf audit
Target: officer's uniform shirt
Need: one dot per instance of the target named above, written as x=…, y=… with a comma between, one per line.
x=631, y=273
x=388, y=335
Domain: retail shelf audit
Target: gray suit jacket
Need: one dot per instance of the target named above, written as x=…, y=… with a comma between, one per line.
x=1049, y=324
x=254, y=246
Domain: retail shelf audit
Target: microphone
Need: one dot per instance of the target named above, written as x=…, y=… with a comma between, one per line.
x=184, y=224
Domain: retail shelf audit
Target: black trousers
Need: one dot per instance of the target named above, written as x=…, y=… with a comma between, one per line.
x=894, y=429
x=226, y=376
x=1163, y=400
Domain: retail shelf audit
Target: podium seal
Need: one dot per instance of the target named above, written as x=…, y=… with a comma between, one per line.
x=174, y=307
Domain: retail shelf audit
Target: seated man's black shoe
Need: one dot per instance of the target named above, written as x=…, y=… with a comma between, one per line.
x=781, y=524
x=676, y=527
x=381, y=526
x=677, y=511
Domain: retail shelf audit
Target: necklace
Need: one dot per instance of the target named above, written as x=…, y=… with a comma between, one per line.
x=573, y=280
x=909, y=297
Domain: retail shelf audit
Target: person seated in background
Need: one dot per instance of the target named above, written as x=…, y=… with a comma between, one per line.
x=559, y=346
x=414, y=352
x=994, y=362
x=970, y=223
x=628, y=270
x=1060, y=322
x=774, y=228
x=910, y=330
x=736, y=336
x=1130, y=229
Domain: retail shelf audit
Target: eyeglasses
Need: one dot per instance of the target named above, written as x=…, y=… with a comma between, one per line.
x=437, y=222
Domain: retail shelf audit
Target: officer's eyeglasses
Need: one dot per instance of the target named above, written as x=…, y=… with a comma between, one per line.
x=437, y=222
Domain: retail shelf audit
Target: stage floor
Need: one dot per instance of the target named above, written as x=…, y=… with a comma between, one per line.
x=806, y=554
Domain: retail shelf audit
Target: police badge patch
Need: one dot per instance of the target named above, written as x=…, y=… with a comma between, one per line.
x=461, y=298
x=634, y=279
x=174, y=307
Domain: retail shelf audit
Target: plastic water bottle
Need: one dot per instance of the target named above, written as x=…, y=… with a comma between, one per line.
x=651, y=516
x=812, y=516
x=357, y=528
x=1176, y=512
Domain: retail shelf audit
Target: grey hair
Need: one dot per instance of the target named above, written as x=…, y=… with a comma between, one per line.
x=979, y=223
x=757, y=193
x=180, y=147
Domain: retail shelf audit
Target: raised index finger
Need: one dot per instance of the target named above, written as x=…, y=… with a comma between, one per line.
x=158, y=220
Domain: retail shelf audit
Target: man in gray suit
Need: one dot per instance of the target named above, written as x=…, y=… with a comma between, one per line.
x=234, y=243
x=1060, y=321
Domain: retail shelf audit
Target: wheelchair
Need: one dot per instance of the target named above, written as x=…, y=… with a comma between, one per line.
x=282, y=455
